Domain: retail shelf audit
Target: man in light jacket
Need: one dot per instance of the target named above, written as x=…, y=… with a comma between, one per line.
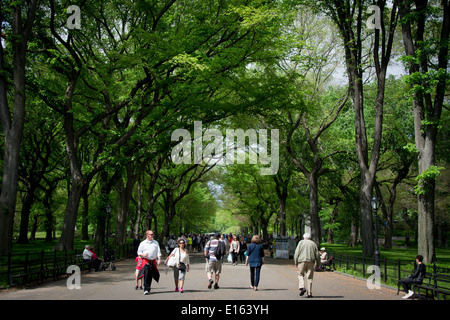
x=305, y=257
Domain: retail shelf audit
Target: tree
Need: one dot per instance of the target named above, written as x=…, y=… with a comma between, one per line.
x=396, y=157
x=348, y=17
x=313, y=168
x=167, y=65
x=250, y=196
x=11, y=16
x=427, y=61
x=40, y=156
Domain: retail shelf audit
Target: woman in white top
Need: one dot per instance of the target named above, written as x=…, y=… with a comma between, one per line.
x=179, y=271
x=234, y=250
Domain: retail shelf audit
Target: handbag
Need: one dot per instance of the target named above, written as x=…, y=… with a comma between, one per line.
x=181, y=266
x=172, y=262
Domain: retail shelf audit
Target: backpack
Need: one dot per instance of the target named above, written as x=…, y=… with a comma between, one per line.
x=219, y=251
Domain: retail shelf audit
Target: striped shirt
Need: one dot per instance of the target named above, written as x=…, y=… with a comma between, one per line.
x=209, y=248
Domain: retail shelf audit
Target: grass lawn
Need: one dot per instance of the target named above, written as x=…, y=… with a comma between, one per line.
x=404, y=254
x=40, y=244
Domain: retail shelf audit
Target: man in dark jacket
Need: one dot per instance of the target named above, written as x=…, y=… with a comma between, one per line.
x=415, y=278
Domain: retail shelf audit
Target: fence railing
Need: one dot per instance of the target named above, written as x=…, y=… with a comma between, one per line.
x=38, y=266
x=390, y=270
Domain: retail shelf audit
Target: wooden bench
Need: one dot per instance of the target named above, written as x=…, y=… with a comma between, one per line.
x=82, y=263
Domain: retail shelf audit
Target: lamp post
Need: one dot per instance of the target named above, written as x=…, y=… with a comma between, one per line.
x=375, y=203
x=108, y=217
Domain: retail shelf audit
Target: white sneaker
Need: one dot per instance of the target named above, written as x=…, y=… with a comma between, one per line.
x=408, y=295
x=146, y=293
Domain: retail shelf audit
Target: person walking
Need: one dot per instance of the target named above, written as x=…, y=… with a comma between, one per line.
x=171, y=243
x=234, y=250
x=306, y=256
x=242, y=249
x=181, y=255
x=150, y=253
x=255, y=259
x=214, y=259
x=136, y=243
x=189, y=242
x=139, y=263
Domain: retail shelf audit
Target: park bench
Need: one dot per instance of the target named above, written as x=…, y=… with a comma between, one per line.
x=434, y=285
x=82, y=263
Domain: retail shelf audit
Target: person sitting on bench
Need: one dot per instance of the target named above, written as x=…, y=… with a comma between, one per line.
x=90, y=255
x=415, y=278
x=324, y=262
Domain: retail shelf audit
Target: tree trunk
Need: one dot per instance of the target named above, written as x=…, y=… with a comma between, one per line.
x=25, y=217
x=13, y=124
x=388, y=211
x=106, y=185
x=66, y=241
x=48, y=224
x=426, y=209
x=34, y=227
x=139, y=207
x=169, y=212
x=84, y=219
x=353, y=239
x=282, y=193
x=314, y=207
x=124, y=194
x=332, y=221
x=282, y=229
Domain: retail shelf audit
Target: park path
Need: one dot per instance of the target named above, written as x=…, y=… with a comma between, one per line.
x=278, y=282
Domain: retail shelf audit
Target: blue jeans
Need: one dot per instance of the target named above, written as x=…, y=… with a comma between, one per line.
x=254, y=276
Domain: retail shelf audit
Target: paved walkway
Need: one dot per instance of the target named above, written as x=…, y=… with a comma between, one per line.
x=278, y=282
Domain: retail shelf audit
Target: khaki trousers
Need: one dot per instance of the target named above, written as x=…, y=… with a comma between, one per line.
x=305, y=276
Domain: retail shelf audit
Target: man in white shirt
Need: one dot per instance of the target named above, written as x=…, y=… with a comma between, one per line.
x=87, y=255
x=149, y=250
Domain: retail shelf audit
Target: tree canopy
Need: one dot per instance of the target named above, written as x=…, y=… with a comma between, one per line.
x=285, y=114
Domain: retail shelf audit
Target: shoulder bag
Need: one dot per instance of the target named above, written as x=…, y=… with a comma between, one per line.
x=172, y=262
x=181, y=266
